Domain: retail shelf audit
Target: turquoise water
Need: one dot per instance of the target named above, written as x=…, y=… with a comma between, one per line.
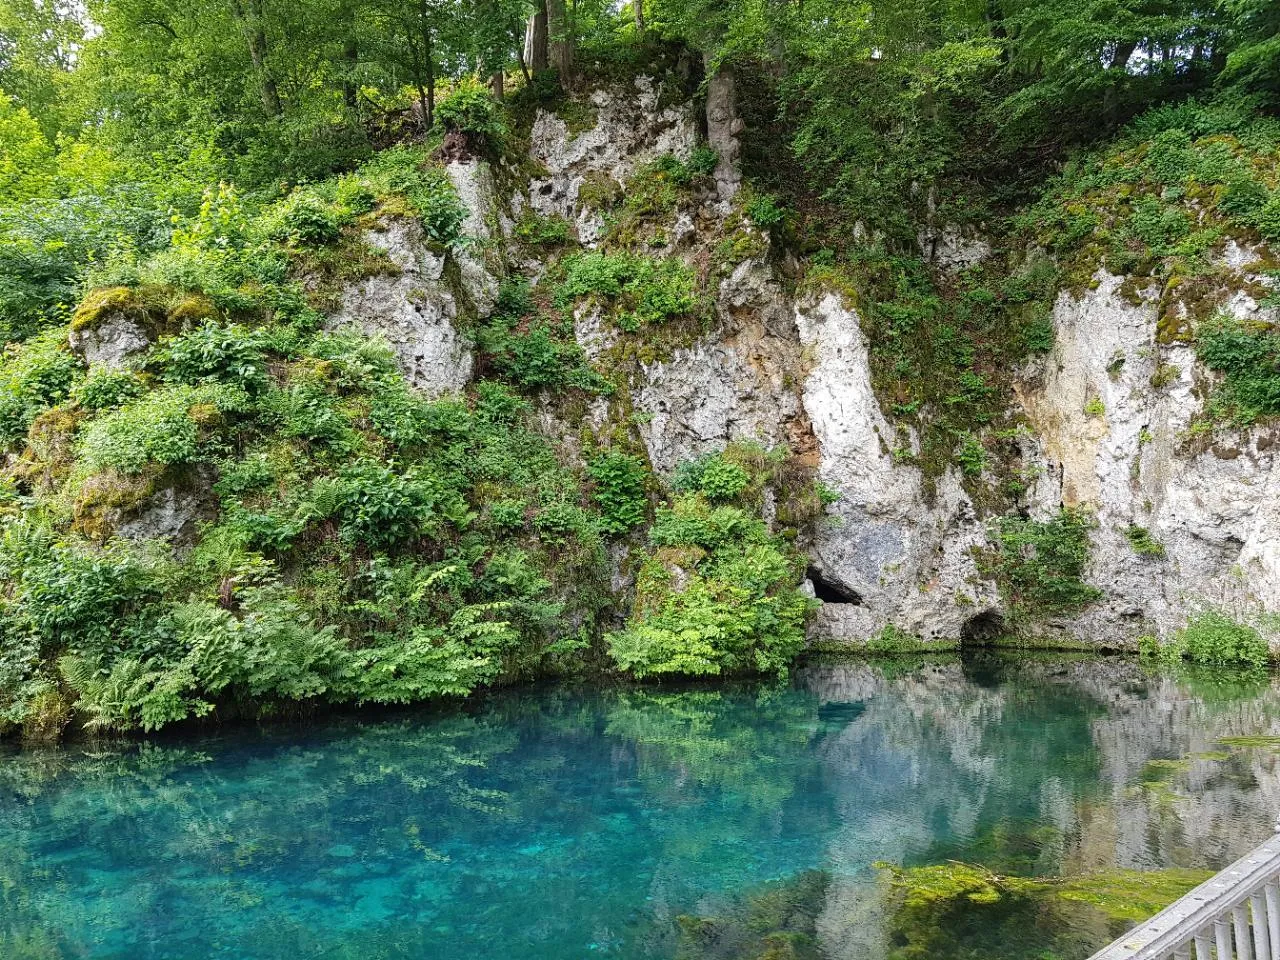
x=635, y=824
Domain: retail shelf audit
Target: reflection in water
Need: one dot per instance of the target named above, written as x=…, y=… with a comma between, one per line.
x=642, y=823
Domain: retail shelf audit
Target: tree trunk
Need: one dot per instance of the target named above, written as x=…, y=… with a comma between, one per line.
x=429, y=57
x=535, y=39
x=424, y=74
x=638, y=6
x=498, y=84
x=1123, y=51
x=560, y=38
x=250, y=20
x=351, y=60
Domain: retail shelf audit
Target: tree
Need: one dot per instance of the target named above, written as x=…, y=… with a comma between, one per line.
x=1255, y=63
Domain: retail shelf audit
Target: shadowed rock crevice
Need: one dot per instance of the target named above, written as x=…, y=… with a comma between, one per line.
x=982, y=628
x=829, y=590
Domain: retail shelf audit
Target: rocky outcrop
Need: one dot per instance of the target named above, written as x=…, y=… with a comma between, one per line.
x=723, y=127
x=111, y=341
x=731, y=384
x=479, y=261
x=1112, y=409
x=631, y=128
x=173, y=513
x=414, y=310
x=1109, y=413
x=907, y=559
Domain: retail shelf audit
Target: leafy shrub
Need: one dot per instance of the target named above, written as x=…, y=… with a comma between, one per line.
x=1267, y=218
x=640, y=290
x=971, y=456
x=529, y=350
x=1248, y=357
x=1143, y=542
x=712, y=475
x=1040, y=565
x=404, y=172
x=441, y=212
x=269, y=652
x=165, y=427
x=765, y=210
x=377, y=506
x=69, y=597
x=104, y=389
x=619, y=480
x=233, y=354
x=471, y=109
x=719, y=595
x=46, y=245
x=33, y=377
x=306, y=219
x=1214, y=638
x=543, y=231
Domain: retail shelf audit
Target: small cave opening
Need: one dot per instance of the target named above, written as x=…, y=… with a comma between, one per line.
x=832, y=591
x=981, y=629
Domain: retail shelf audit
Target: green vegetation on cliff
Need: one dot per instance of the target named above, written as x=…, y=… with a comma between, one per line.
x=215, y=499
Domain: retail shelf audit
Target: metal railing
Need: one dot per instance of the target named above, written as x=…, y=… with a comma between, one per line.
x=1234, y=915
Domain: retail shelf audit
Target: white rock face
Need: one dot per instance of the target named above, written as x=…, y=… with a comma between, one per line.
x=898, y=552
x=1117, y=444
x=952, y=249
x=630, y=130
x=111, y=342
x=703, y=398
x=473, y=181
x=733, y=384
x=907, y=558
x=414, y=311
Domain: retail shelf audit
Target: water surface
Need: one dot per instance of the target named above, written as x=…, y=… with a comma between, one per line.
x=690, y=822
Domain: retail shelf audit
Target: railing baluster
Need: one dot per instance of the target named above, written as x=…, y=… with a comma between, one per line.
x=1240, y=903
x=1272, y=891
x=1222, y=934
x=1261, y=933
x=1244, y=949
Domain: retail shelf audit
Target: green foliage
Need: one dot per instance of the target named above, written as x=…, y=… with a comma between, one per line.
x=1143, y=542
x=164, y=427
x=718, y=595
x=620, y=480
x=543, y=231
x=33, y=377
x=1040, y=564
x=765, y=211
x=307, y=219
x=1248, y=357
x=1214, y=639
x=104, y=389
x=405, y=172
x=377, y=506
x=640, y=291
x=470, y=109
x=532, y=350
x=712, y=475
x=214, y=353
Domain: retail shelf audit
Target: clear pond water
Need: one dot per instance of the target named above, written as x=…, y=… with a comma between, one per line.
x=741, y=821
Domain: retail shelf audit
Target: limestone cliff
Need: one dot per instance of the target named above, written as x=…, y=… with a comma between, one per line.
x=1106, y=416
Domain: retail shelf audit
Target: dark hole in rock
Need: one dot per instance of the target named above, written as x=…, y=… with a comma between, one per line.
x=982, y=628
x=830, y=591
